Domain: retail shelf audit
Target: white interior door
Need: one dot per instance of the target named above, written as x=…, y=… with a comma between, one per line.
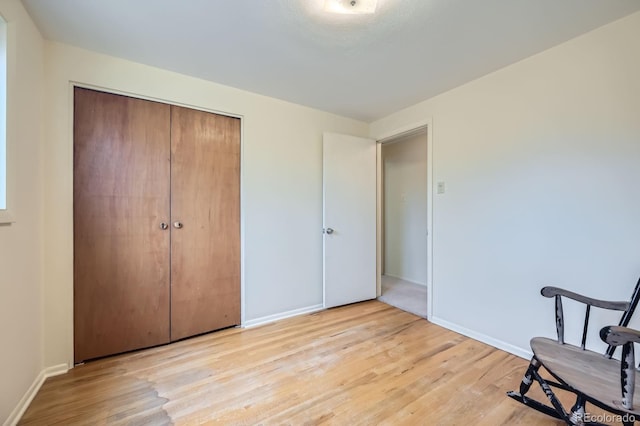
x=349, y=189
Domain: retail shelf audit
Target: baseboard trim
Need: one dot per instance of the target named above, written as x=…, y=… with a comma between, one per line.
x=22, y=406
x=276, y=317
x=499, y=344
x=405, y=279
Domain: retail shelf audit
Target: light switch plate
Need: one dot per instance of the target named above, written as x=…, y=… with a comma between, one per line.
x=440, y=188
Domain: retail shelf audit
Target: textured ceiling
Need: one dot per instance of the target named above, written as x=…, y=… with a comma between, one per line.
x=360, y=66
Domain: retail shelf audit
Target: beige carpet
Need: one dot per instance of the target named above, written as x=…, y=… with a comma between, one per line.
x=404, y=295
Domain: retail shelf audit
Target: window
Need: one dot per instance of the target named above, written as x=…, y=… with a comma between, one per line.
x=3, y=120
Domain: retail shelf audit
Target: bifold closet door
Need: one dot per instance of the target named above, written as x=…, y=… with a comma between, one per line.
x=121, y=188
x=205, y=216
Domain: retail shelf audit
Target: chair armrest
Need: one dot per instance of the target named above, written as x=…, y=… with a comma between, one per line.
x=555, y=291
x=616, y=335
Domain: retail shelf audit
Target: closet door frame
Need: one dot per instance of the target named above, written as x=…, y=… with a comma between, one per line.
x=115, y=91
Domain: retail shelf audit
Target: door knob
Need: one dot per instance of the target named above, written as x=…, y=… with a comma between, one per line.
x=177, y=225
x=329, y=231
x=164, y=226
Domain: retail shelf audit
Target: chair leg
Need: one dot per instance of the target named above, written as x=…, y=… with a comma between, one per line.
x=552, y=397
x=578, y=410
x=525, y=385
x=527, y=380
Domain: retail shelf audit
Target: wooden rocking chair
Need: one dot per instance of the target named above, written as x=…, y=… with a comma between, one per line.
x=595, y=378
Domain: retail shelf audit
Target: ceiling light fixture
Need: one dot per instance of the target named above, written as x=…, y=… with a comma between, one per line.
x=350, y=7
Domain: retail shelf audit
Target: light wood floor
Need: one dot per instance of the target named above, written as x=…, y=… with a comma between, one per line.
x=367, y=363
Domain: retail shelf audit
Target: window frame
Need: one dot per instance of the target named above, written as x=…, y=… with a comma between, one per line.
x=6, y=180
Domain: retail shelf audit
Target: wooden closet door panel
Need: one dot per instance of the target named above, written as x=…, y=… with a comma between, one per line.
x=121, y=195
x=205, y=198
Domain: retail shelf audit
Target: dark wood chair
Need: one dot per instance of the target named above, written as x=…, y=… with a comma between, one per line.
x=592, y=377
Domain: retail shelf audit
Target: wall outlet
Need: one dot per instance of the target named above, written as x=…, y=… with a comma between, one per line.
x=440, y=188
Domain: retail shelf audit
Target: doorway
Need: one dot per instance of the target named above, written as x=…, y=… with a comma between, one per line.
x=404, y=224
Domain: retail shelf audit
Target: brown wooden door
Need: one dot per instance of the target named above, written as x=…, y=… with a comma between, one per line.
x=205, y=215
x=121, y=196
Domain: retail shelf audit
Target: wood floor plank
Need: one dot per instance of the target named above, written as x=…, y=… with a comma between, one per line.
x=366, y=363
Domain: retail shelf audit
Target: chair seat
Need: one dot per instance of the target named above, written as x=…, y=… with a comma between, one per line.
x=588, y=372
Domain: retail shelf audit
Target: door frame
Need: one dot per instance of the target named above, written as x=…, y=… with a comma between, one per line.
x=381, y=139
x=72, y=85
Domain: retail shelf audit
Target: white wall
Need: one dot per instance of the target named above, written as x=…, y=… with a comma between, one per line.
x=405, y=208
x=540, y=161
x=21, y=242
x=282, y=184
